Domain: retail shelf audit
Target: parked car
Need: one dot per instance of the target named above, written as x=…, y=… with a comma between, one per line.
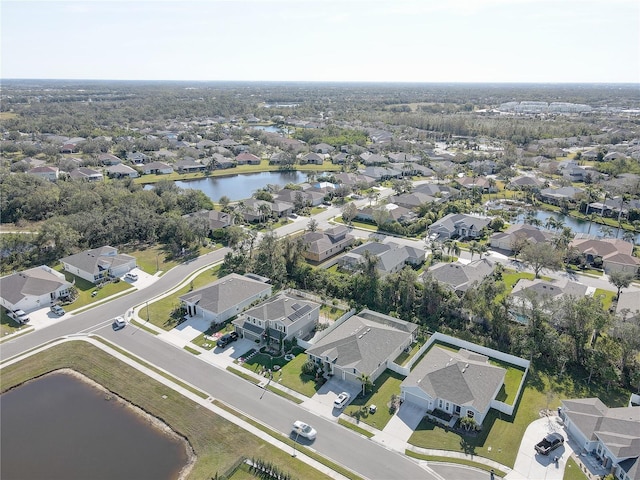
x=341, y=400
x=119, y=322
x=304, y=429
x=131, y=276
x=58, y=310
x=226, y=339
x=549, y=443
x=18, y=315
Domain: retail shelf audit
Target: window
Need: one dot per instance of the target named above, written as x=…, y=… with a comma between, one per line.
x=439, y=403
x=470, y=413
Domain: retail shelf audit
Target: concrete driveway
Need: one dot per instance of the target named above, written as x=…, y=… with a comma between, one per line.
x=530, y=464
x=322, y=402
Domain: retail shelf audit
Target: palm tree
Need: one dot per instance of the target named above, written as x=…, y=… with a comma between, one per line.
x=365, y=380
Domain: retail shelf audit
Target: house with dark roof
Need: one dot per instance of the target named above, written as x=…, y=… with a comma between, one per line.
x=33, y=288
x=462, y=383
x=46, y=172
x=321, y=245
x=157, y=168
x=85, y=173
x=612, y=435
x=323, y=148
x=525, y=182
x=215, y=219
x=391, y=257
x=121, y=171
x=364, y=344
x=312, y=158
x=224, y=298
x=459, y=225
x=616, y=254
x=189, y=165
x=459, y=277
x=518, y=234
x=283, y=317
x=246, y=158
x=99, y=264
x=556, y=196
x=544, y=292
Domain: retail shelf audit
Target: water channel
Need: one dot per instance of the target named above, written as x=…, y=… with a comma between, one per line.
x=61, y=427
x=239, y=187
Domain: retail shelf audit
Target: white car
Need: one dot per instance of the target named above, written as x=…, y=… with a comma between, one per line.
x=307, y=431
x=58, y=310
x=131, y=276
x=342, y=400
x=119, y=322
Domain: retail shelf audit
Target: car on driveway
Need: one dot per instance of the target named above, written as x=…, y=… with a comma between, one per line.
x=549, y=443
x=226, y=339
x=304, y=429
x=342, y=400
x=132, y=277
x=18, y=315
x=58, y=310
x=119, y=323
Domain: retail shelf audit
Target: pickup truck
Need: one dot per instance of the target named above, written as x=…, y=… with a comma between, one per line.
x=18, y=315
x=549, y=443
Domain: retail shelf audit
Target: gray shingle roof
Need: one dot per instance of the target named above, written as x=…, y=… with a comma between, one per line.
x=226, y=292
x=283, y=307
x=460, y=276
x=463, y=377
x=364, y=341
x=97, y=259
x=32, y=282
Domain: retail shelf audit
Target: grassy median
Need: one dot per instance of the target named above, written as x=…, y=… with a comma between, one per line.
x=217, y=442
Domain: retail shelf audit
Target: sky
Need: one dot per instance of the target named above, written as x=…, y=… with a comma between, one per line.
x=529, y=41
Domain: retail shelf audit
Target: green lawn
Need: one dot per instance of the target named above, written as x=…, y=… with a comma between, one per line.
x=404, y=357
x=204, y=342
x=512, y=380
x=86, y=291
x=606, y=296
x=572, y=471
x=153, y=259
x=501, y=434
x=163, y=313
x=386, y=385
x=331, y=311
x=290, y=374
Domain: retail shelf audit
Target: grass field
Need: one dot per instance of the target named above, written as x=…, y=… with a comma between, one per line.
x=385, y=386
x=217, y=442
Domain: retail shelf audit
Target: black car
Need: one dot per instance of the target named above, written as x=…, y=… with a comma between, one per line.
x=226, y=339
x=549, y=443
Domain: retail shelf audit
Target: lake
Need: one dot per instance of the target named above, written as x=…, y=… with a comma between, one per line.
x=61, y=427
x=239, y=187
x=268, y=128
x=576, y=225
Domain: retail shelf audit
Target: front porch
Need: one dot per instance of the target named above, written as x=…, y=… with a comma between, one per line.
x=591, y=465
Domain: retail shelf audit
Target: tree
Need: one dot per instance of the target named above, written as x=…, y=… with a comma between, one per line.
x=541, y=255
x=312, y=226
x=225, y=202
x=365, y=380
x=620, y=280
x=349, y=212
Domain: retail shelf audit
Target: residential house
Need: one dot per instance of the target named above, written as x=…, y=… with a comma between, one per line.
x=283, y=317
x=246, y=158
x=189, y=165
x=46, y=172
x=137, y=157
x=221, y=162
x=312, y=158
x=628, y=304
x=459, y=277
x=323, y=148
x=340, y=158
x=214, y=218
x=460, y=225
x=614, y=254
x=99, y=264
x=300, y=197
x=88, y=174
x=525, y=182
x=372, y=159
x=611, y=434
x=224, y=298
x=462, y=383
x=353, y=180
x=556, y=196
x=108, y=159
x=363, y=345
x=481, y=183
x=157, y=168
x=544, y=292
x=321, y=245
x=382, y=173
x=518, y=234
x=121, y=171
x=391, y=257
x=33, y=288
x=395, y=213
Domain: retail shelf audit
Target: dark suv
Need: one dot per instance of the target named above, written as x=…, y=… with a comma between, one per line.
x=226, y=339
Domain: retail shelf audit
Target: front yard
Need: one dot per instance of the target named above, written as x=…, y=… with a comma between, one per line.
x=290, y=373
x=387, y=385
